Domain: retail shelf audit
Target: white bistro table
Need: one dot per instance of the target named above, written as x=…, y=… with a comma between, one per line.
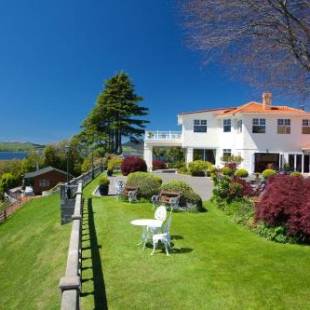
x=148, y=225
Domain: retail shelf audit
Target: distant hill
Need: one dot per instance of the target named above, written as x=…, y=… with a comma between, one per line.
x=18, y=146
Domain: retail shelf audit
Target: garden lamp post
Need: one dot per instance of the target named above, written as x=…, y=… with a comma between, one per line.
x=67, y=149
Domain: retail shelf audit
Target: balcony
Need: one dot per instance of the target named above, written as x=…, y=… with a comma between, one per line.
x=163, y=138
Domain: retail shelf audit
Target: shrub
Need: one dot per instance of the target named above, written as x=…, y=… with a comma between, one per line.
x=159, y=164
x=227, y=171
x=114, y=162
x=241, y=173
x=133, y=164
x=7, y=181
x=183, y=169
x=103, y=181
x=295, y=174
x=186, y=192
x=199, y=167
x=147, y=183
x=231, y=165
x=286, y=203
x=268, y=173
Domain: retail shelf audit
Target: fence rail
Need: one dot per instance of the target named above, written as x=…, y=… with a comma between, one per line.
x=71, y=209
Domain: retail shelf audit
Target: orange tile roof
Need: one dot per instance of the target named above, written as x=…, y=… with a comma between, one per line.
x=255, y=107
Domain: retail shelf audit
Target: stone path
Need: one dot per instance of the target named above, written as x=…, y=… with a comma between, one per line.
x=201, y=185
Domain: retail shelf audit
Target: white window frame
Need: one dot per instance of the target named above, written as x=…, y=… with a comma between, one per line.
x=259, y=124
x=284, y=126
x=227, y=125
x=44, y=183
x=200, y=125
x=305, y=129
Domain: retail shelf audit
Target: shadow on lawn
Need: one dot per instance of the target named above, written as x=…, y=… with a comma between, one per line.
x=89, y=229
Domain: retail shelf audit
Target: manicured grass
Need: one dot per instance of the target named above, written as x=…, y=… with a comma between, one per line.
x=216, y=264
x=33, y=254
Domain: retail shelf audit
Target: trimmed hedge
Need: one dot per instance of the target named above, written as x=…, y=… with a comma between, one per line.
x=186, y=192
x=227, y=171
x=242, y=173
x=199, y=167
x=147, y=183
x=133, y=164
x=267, y=173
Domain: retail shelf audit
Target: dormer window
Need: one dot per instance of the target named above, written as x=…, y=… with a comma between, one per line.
x=200, y=125
x=284, y=126
x=306, y=126
x=227, y=125
x=259, y=125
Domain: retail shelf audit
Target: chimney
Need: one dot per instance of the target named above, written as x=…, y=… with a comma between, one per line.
x=267, y=100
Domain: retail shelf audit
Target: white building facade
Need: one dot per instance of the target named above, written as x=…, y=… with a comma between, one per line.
x=262, y=134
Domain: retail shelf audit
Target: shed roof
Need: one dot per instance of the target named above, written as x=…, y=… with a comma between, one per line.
x=44, y=170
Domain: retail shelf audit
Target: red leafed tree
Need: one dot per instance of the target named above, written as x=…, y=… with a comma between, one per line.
x=286, y=203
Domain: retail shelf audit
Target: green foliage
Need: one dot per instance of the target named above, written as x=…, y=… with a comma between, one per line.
x=147, y=183
x=7, y=181
x=241, y=210
x=199, y=167
x=295, y=174
x=277, y=234
x=232, y=159
x=241, y=173
x=186, y=192
x=268, y=173
x=114, y=163
x=117, y=114
x=103, y=180
x=227, y=171
x=173, y=156
x=182, y=169
x=86, y=165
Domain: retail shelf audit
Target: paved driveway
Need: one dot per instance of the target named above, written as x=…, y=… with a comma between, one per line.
x=201, y=185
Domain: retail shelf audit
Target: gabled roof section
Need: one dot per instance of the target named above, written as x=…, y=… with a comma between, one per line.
x=34, y=174
x=256, y=107
x=208, y=110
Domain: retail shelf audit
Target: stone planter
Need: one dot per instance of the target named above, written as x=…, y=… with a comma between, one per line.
x=103, y=190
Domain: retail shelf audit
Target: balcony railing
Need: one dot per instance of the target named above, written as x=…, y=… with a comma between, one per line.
x=163, y=135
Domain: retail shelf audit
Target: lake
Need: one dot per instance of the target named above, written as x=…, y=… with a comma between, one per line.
x=12, y=155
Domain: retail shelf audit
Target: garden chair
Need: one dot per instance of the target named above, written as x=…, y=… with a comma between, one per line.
x=161, y=215
x=119, y=188
x=163, y=237
x=132, y=196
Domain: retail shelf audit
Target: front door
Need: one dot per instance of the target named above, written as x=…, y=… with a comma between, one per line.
x=266, y=160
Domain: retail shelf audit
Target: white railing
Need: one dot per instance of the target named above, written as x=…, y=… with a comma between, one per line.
x=163, y=135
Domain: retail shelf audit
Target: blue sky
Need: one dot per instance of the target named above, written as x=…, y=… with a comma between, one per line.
x=55, y=55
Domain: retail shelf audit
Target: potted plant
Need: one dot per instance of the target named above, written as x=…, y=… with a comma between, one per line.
x=104, y=186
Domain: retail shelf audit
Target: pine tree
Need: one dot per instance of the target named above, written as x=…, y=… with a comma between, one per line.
x=117, y=114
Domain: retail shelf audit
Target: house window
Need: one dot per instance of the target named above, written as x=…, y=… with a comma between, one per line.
x=44, y=183
x=239, y=126
x=306, y=126
x=259, y=125
x=200, y=125
x=284, y=126
x=227, y=125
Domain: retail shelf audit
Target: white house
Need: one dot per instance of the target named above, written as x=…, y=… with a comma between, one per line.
x=261, y=133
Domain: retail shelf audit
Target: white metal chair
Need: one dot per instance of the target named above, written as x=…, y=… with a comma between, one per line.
x=161, y=215
x=164, y=237
x=119, y=187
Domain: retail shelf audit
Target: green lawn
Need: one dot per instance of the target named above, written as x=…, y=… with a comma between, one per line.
x=33, y=254
x=216, y=264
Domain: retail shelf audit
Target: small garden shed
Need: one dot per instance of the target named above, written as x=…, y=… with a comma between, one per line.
x=44, y=179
